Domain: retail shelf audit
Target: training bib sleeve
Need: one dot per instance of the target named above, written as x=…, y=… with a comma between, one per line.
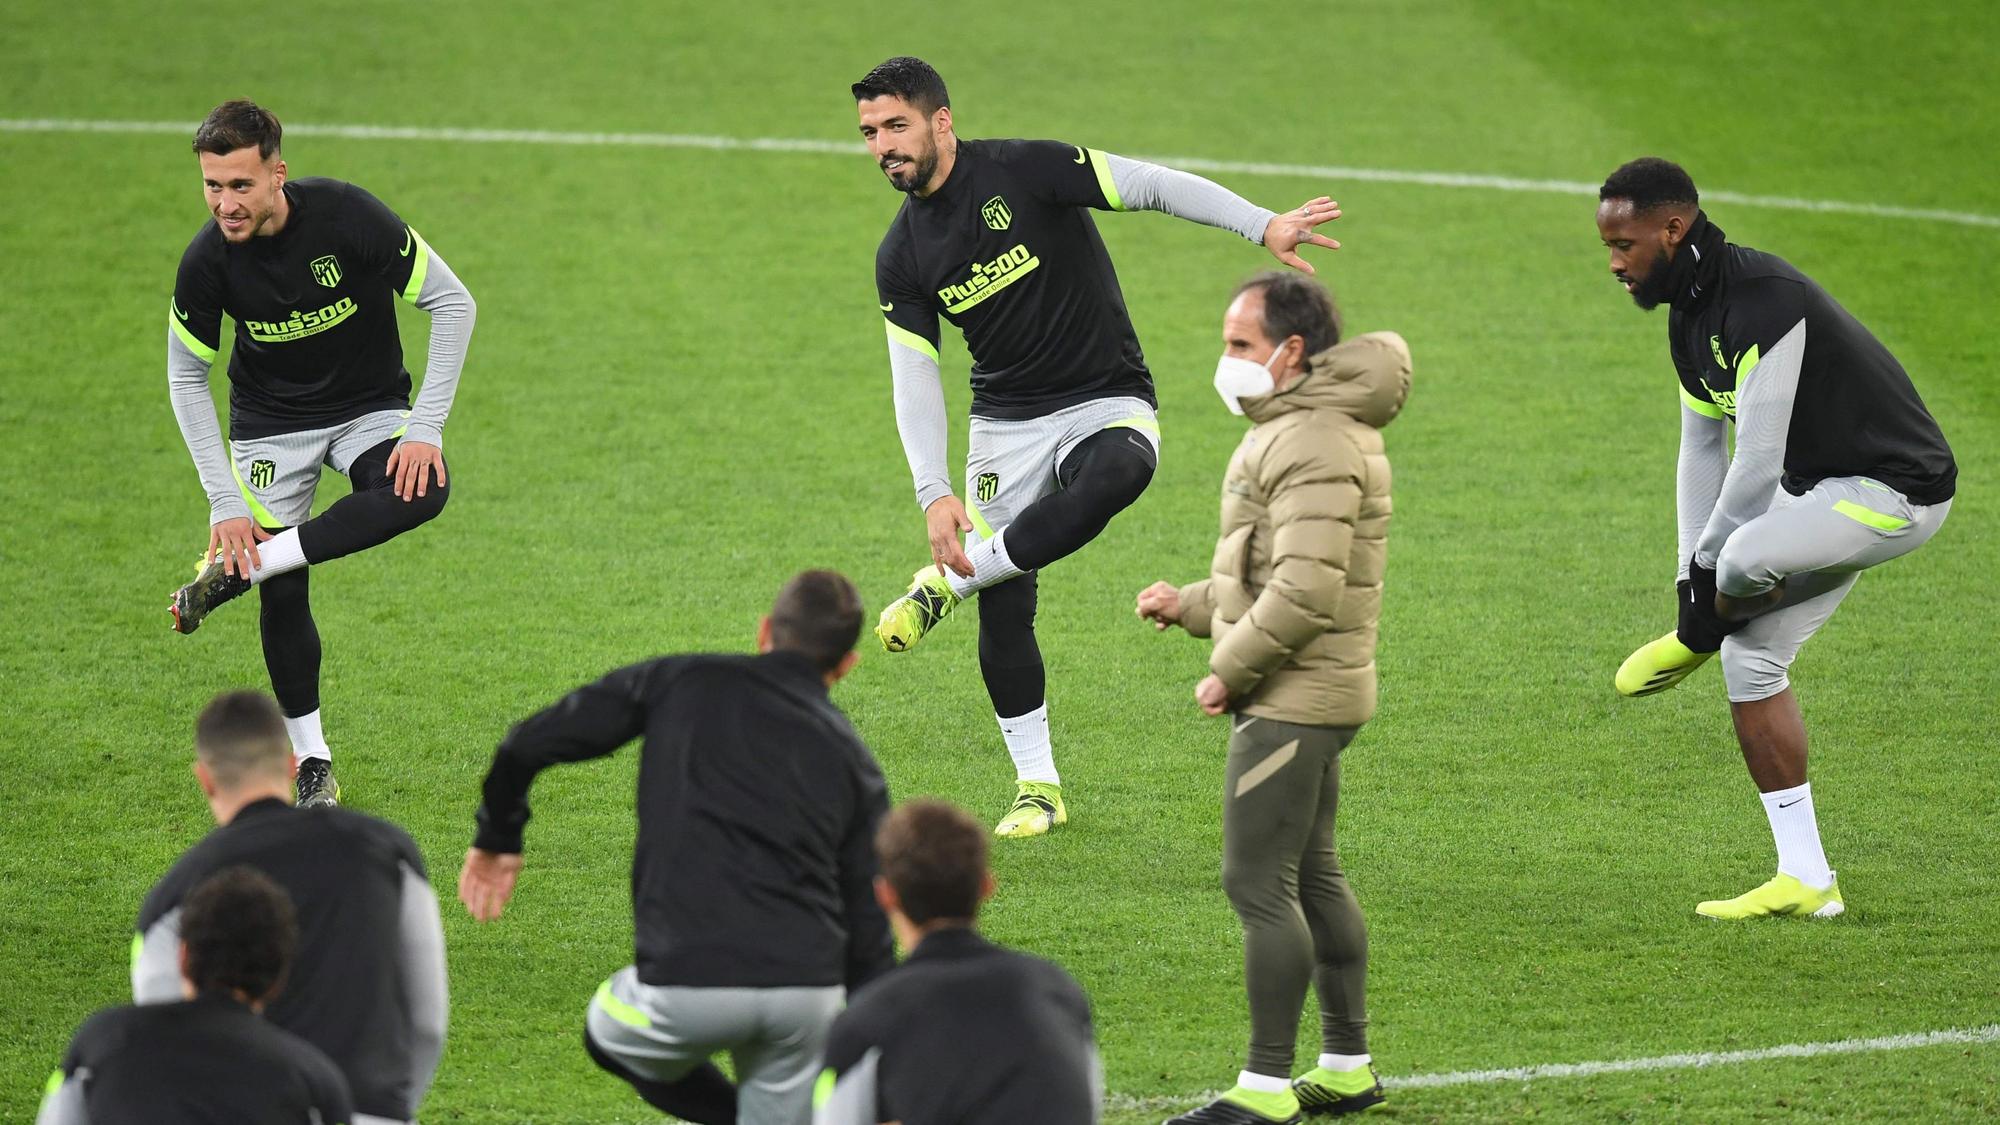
x=382, y=244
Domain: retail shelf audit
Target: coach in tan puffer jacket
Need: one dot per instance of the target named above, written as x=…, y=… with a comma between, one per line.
x=1292, y=600
x=1295, y=588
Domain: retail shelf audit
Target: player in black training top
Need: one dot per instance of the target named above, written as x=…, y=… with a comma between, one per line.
x=996, y=238
x=964, y=1031
x=1838, y=467
x=309, y=270
x=208, y=1058
x=368, y=985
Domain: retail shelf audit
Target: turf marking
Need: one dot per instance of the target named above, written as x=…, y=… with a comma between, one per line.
x=854, y=148
x=1989, y=1033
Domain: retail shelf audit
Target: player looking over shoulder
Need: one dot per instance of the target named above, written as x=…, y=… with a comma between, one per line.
x=309, y=270
x=995, y=236
x=1838, y=467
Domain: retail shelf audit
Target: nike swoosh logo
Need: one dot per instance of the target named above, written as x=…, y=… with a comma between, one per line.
x=176, y=302
x=1238, y=728
x=409, y=240
x=889, y=306
x=1080, y=157
x=1793, y=801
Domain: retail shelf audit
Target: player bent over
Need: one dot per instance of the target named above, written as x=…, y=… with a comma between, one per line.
x=996, y=238
x=309, y=270
x=1838, y=467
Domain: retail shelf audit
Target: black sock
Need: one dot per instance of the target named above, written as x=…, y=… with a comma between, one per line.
x=702, y=1096
x=370, y=515
x=1101, y=477
x=291, y=641
x=1009, y=659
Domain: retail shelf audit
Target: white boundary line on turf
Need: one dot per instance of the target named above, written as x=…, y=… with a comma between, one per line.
x=1692, y=1061
x=854, y=148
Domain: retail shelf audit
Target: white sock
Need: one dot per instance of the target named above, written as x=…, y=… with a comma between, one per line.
x=1028, y=744
x=1344, y=1062
x=307, y=741
x=990, y=567
x=281, y=552
x=1797, y=834
x=1263, y=1083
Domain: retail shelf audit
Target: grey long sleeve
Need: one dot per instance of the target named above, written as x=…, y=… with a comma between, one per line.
x=187, y=386
x=156, y=961
x=1151, y=187
x=1704, y=459
x=1763, y=420
x=920, y=419
x=452, y=312
x=421, y=959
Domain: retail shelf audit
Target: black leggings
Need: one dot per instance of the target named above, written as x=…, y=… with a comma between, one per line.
x=702, y=1096
x=1101, y=477
x=371, y=514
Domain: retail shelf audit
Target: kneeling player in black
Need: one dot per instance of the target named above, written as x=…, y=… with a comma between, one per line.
x=209, y=1057
x=964, y=1031
x=309, y=270
x=996, y=238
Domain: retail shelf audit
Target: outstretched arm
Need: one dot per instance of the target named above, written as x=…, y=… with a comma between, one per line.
x=1140, y=186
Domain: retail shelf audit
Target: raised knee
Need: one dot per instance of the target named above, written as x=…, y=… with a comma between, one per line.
x=1741, y=571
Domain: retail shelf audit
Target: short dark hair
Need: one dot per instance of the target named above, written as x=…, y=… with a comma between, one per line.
x=1296, y=305
x=818, y=615
x=934, y=855
x=240, y=932
x=1651, y=182
x=240, y=733
x=906, y=77
x=236, y=124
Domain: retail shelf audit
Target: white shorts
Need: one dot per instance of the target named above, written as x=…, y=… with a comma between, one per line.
x=774, y=1036
x=279, y=474
x=1010, y=464
x=1817, y=544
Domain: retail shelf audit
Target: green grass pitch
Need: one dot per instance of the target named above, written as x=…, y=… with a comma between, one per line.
x=677, y=396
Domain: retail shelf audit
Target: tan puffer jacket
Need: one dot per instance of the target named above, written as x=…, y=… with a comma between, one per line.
x=1295, y=589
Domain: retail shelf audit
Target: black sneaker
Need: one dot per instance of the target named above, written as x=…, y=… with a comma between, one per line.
x=211, y=587
x=1316, y=1098
x=317, y=788
x=1224, y=1112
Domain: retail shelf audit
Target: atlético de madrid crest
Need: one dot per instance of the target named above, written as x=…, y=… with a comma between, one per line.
x=326, y=271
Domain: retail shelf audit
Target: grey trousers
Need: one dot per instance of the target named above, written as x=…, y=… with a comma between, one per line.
x=774, y=1036
x=1300, y=920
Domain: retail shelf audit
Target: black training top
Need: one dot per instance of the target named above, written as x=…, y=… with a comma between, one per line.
x=208, y=1061
x=347, y=992
x=964, y=1032
x=754, y=866
x=314, y=306
x=1856, y=413
x=1006, y=251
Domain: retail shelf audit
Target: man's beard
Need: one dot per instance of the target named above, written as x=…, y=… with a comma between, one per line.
x=1658, y=288
x=922, y=169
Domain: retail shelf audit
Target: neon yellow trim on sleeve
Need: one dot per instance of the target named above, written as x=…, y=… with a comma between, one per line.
x=910, y=340
x=1745, y=364
x=618, y=1009
x=258, y=512
x=1102, y=167
x=201, y=351
x=823, y=1089
x=138, y=947
x=1869, y=518
x=415, y=288
x=55, y=1082
x=1705, y=409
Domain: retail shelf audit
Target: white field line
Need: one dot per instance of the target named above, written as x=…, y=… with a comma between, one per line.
x=1692, y=1061
x=1331, y=172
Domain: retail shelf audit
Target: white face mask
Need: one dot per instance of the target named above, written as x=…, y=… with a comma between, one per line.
x=1237, y=379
